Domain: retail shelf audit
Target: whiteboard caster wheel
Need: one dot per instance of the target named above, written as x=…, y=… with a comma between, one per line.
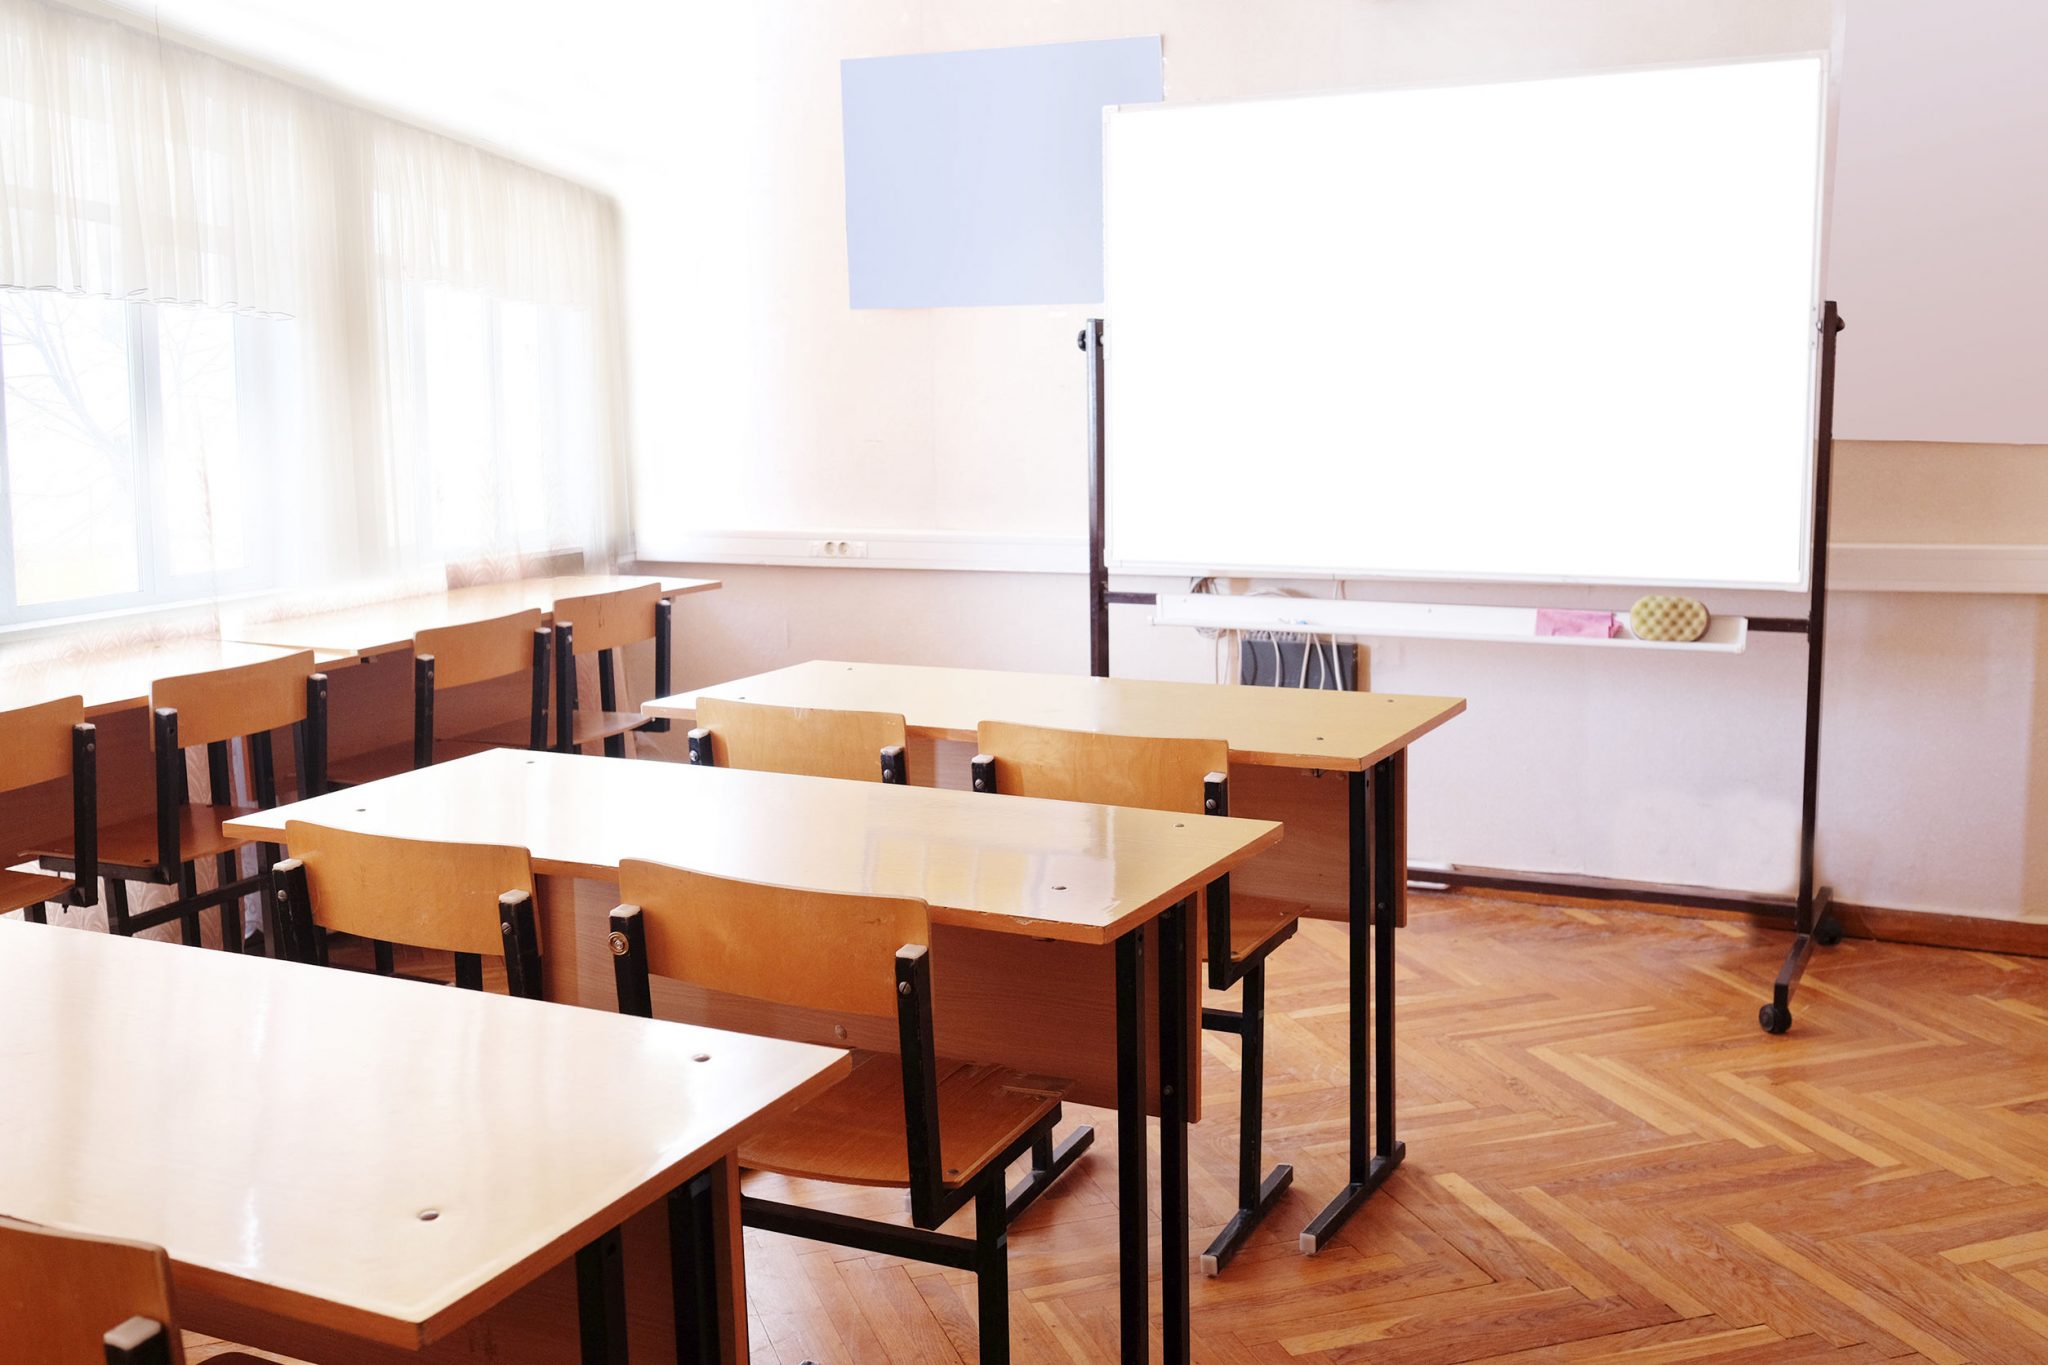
x=1775, y=1018
x=1828, y=932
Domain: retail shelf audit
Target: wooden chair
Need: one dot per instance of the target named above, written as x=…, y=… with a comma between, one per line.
x=456, y=656
x=70, y=1299
x=43, y=743
x=945, y=1130
x=472, y=900
x=858, y=745
x=1241, y=932
x=210, y=710
x=602, y=624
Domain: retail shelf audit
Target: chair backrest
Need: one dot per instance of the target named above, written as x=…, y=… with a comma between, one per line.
x=42, y=743
x=477, y=651
x=807, y=741
x=243, y=699
x=607, y=620
x=37, y=741
x=1109, y=770
x=818, y=949
x=420, y=892
x=63, y=1293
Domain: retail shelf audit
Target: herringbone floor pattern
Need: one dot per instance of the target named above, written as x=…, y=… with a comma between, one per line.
x=1607, y=1161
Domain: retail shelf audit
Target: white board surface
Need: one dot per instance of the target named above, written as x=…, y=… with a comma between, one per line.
x=1559, y=330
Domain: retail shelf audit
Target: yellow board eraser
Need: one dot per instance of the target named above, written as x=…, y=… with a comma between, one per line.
x=1668, y=618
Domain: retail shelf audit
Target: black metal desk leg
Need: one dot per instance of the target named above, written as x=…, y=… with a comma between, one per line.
x=601, y=1301
x=1133, y=1211
x=1175, y=1055
x=1390, y=879
x=693, y=1271
x=1365, y=863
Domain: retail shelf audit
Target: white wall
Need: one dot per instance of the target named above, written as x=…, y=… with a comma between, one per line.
x=1661, y=767
x=762, y=401
x=765, y=401
x=1943, y=162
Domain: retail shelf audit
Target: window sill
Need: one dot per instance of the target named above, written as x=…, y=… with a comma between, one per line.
x=185, y=611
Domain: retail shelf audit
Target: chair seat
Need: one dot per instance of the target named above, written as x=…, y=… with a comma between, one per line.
x=1258, y=925
x=19, y=889
x=853, y=1133
x=130, y=846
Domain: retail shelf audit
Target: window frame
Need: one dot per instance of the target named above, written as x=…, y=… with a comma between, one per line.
x=156, y=584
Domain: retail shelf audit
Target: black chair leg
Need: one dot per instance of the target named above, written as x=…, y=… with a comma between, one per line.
x=269, y=933
x=226, y=870
x=992, y=1268
x=1254, y=1196
x=117, y=907
x=188, y=887
x=1049, y=1161
x=608, y=700
x=36, y=914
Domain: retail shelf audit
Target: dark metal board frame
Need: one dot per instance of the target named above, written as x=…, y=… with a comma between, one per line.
x=1809, y=912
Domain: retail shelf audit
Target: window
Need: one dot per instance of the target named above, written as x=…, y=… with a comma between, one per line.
x=496, y=422
x=136, y=443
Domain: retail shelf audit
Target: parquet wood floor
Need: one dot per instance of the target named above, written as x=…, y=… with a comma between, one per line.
x=1607, y=1161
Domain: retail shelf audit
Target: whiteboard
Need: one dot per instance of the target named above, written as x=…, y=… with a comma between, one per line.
x=1560, y=330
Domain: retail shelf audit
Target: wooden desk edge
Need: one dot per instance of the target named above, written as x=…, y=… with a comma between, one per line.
x=1151, y=910
x=683, y=706
x=369, y=1324
x=268, y=827
x=645, y=1195
x=324, y=660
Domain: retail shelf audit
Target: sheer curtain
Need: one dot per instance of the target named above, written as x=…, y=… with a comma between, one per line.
x=254, y=337
x=500, y=336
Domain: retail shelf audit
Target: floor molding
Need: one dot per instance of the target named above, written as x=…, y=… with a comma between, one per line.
x=1926, y=928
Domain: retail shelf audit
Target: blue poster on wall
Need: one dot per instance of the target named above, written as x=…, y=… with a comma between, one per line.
x=975, y=178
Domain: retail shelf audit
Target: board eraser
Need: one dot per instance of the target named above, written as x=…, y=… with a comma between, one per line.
x=1557, y=622
x=1668, y=618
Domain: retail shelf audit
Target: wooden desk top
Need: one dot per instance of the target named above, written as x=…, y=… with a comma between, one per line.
x=379, y=627
x=1047, y=869
x=279, y=1129
x=1282, y=727
x=119, y=678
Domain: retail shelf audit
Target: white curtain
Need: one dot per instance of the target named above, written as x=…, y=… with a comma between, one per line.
x=132, y=170
x=408, y=349
x=500, y=339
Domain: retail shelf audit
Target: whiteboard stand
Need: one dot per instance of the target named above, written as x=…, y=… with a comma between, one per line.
x=1810, y=911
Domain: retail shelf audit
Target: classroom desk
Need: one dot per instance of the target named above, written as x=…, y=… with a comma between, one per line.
x=1044, y=914
x=1364, y=735
x=380, y=627
x=283, y=1132
x=120, y=678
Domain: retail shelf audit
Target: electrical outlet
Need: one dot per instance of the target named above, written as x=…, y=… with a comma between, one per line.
x=839, y=549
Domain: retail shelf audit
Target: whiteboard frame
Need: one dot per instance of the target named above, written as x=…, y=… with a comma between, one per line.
x=1823, y=192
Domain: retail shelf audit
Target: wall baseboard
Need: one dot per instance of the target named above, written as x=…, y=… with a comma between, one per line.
x=1926, y=928
x=2021, y=938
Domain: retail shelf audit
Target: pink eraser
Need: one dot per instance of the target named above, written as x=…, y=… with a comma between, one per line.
x=1576, y=625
